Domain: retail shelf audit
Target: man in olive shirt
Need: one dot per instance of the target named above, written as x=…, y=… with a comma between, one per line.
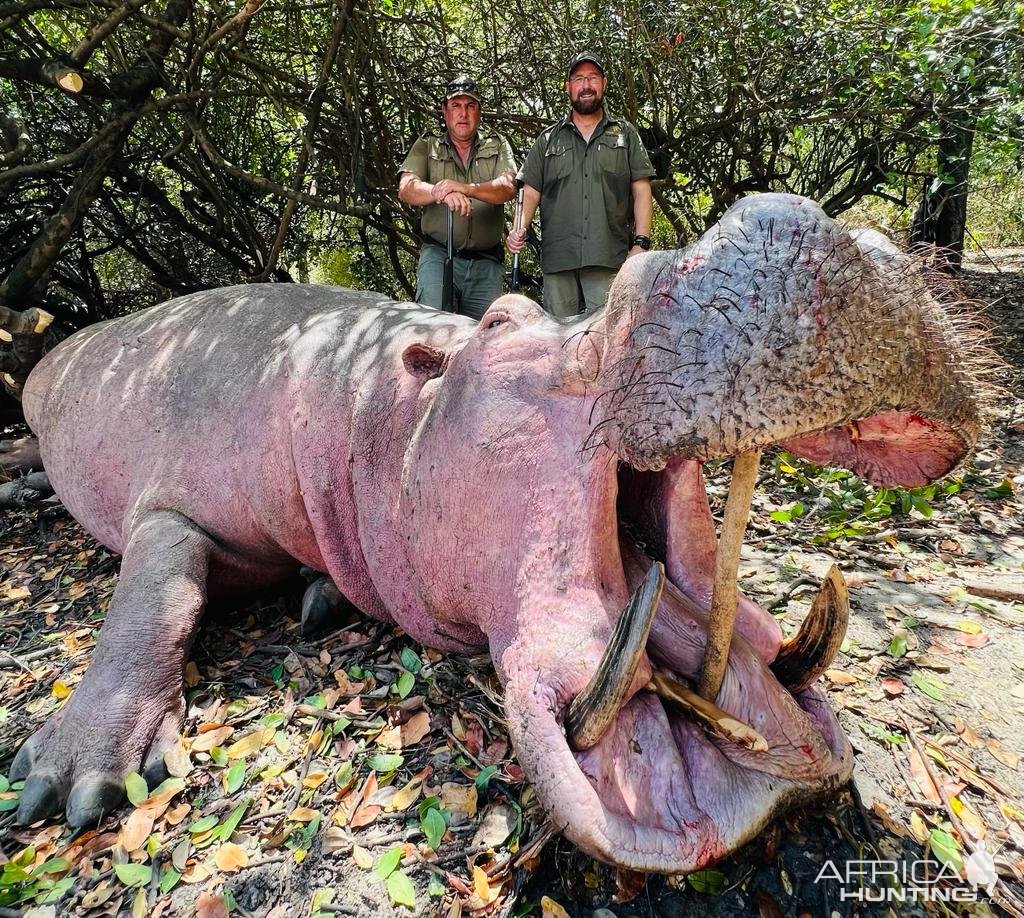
x=472, y=175
x=591, y=175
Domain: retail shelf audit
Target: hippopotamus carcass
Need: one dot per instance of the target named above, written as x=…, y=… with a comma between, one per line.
x=514, y=484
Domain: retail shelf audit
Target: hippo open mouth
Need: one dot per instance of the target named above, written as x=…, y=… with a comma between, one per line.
x=658, y=777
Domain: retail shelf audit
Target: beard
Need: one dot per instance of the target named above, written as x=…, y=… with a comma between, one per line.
x=588, y=105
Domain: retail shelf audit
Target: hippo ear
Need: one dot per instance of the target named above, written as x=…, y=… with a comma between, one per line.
x=423, y=361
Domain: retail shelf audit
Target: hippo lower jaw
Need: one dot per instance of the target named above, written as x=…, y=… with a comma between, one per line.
x=658, y=791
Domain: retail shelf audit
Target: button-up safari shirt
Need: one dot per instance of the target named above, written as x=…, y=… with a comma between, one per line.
x=586, y=208
x=433, y=158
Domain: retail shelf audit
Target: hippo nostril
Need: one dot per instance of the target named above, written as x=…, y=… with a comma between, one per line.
x=806, y=655
x=594, y=709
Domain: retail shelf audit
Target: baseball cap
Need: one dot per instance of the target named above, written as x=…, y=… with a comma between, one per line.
x=583, y=58
x=462, y=85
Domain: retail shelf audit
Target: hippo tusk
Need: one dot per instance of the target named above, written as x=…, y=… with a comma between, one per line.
x=594, y=709
x=719, y=722
x=808, y=653
x=727, y=562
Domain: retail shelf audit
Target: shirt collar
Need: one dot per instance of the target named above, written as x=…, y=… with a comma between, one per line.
x=602, y=125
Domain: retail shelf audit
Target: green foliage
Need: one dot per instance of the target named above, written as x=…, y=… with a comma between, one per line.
x=844, y=505
x=839, y=99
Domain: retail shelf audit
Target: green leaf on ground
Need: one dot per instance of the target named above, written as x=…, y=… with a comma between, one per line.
x=385, y=762
x=135, y=786
x=410, y=660
x=405, y=684
x=389, y=862
x=432, y=823
x=401, y=890
x=134, y=874
x=708, y=882
x=928, y=684
x=236, y=776
x=946, y=849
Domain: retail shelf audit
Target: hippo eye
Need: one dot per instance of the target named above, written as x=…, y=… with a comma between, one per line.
x=494, y=323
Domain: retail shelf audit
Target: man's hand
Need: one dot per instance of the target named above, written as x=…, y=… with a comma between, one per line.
x=445, y=187
x=636, y=250
x=515, y=240
x=458, y=203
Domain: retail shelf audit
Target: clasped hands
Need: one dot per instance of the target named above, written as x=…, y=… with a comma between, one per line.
x=454, y=195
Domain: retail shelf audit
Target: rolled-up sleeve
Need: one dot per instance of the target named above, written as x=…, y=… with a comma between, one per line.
x=506, y=158
x=639, y=162
x=416, y=161
x=533, y=169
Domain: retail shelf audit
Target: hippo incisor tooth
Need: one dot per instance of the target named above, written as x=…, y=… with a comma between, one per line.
x=594, y=709
x=727, y=562
x=808, y=653
x=719, y=722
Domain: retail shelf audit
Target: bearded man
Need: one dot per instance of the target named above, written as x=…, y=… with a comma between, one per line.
x=591, y=176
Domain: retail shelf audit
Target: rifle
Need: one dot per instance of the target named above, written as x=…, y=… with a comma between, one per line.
x=514, y=285
x=448, y=285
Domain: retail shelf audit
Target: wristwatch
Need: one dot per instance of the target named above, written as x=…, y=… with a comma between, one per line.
x=644, y=242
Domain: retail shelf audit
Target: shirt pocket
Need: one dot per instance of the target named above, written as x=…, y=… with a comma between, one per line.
x=484, y=167
x=439, y=166
x=557, y=163
x=611, y=153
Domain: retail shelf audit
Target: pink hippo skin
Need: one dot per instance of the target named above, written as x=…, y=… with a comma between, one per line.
x=502, y=485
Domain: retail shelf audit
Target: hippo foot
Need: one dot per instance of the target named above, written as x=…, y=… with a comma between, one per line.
x=322, y=604
x=78, y=760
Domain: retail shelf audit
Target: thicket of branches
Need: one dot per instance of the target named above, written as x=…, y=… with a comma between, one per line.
x=153, y=147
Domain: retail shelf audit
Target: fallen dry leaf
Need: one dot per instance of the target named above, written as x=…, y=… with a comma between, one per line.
x=364, y=816
x=250, y=743
x=135, y=831
x=405, y=797
x=303, y=814
x=921, y=777
x=177, y=760
x=334, y=840
x=207, y=740
x=211, y=906
x=972, y=822
x=60, y=690
x=176, y=814
x=498, y=824
x=549, y=908
x=415, y=728
x=362, y=857
x=967, y=733
x=230, y=857
x=314, y=780
x=459, y=799
x=999, y=752
x=839, y=677
x=893, y=686
x=191, y=675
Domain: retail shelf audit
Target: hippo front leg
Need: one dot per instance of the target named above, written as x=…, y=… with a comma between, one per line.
x=128, y=707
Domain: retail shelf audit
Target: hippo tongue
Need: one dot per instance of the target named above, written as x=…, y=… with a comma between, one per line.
x=658, y=792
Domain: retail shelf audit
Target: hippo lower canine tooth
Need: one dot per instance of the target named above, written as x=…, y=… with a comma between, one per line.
x=595, y=708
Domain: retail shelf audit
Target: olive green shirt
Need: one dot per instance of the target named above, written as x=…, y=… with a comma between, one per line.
x=433, y=158
x=586, y=205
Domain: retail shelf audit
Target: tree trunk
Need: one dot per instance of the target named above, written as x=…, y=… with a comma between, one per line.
x=941, y=218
